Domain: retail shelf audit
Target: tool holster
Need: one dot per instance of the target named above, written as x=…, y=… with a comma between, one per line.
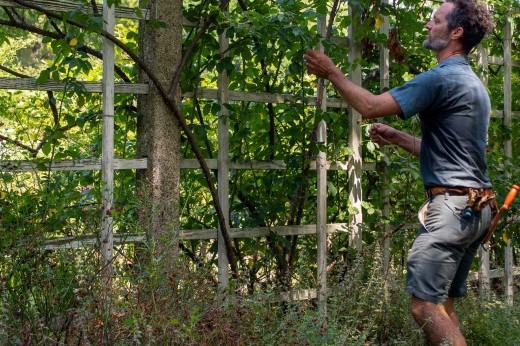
x=478, y=199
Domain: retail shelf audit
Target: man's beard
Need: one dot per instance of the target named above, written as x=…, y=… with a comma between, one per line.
x=436, y=44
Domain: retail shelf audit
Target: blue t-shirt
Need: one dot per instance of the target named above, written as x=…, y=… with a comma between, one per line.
x=454, y=109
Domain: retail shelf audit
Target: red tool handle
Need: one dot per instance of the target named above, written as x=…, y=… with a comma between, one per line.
x=510, y=197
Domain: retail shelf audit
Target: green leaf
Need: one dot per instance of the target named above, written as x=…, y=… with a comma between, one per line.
x=47, y=148
x=331, y=189
x=43, y=77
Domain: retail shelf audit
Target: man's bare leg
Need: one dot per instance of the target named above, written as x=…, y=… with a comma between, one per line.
x=437, y=324
x=449, y=308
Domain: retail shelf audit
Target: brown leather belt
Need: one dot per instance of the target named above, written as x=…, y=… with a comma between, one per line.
x=459, y=191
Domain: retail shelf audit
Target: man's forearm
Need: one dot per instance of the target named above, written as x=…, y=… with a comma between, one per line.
x=367, y=104
x=408, y=142
x=355, y=96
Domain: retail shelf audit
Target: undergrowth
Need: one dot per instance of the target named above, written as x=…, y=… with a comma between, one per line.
x=53, y=303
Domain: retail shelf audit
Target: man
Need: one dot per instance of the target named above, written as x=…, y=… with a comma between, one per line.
x=454, y=110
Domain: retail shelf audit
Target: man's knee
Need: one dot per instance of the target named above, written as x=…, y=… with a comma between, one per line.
x=422, y=310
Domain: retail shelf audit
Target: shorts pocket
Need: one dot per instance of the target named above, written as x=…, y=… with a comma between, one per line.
x=456, y=205
x=445, y=212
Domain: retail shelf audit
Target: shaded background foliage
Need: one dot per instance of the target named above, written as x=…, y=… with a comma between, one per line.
x=54, y=295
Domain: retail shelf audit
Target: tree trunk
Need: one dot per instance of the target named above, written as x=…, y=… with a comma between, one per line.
x=158, y=136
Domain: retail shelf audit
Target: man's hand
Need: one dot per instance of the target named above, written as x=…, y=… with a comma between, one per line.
x=382, y=134
x=319, y=64
x=385, y=135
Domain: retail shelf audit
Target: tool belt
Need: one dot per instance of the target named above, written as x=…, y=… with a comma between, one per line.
x=478, y=198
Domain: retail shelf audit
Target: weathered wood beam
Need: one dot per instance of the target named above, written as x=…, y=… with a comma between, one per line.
x=262, y=97
x=142, y=89
x=196, y=234
x=66, y=6
x=68, y=165
x=95, y=165
x=93, y=87
x=246, y=96
x=494, y=273
x=298, y=295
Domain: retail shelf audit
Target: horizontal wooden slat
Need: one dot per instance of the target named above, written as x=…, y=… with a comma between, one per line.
x=495, y=113
x=496, y=60
x=65, y=6
x=95, y=165
x=79, y=242
x=277, y=164
x=143, y=89
x=213, y=164
x=90, y=240
x=93, y=87
x=259, y=231
x=297, y=295
x=69, y=165
x=261, y=97
x=210, y=233
x=493, y=273
x=265, y=98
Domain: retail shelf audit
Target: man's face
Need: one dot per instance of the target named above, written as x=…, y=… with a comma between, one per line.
x=438, y=33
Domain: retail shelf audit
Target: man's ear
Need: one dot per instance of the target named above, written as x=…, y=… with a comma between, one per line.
x=457, y=33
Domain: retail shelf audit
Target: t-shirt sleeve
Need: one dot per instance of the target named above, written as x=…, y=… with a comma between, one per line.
x=418, y=94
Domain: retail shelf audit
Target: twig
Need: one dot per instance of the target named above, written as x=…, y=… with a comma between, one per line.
x=18, y=143
x=94, y=7
x=13, y=72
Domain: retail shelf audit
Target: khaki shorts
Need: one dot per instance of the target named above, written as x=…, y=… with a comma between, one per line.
x=445, y=245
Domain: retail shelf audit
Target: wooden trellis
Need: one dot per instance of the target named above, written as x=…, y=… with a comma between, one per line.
x=108, y=163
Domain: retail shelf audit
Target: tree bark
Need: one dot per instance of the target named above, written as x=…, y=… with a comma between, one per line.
x=158, y=136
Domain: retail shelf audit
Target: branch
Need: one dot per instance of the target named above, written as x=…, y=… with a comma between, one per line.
x=18, y=144
x=56, y=27
x=8, y=12
x=13, y=72
x=332, y=16
x=178, y=72
x=103, y=33
x=54, y=110
x=94, y=7
x=397, y=228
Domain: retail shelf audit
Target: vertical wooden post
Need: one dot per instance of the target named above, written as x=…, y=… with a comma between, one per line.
x=223, y=164
x=321, y=171
x=355, y=161
x=384, y=83
x=321, y=222
x=107, y=159
x=508, y=148
x=483, y=271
